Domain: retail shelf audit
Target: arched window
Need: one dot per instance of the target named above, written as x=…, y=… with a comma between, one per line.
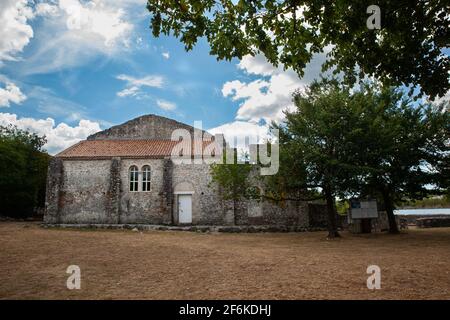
x=134, y=178
x=146, y=176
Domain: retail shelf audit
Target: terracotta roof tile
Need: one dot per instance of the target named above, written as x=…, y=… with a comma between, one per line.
x=123, y=148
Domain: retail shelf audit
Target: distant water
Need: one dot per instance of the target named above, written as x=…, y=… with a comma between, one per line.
x=423, y=211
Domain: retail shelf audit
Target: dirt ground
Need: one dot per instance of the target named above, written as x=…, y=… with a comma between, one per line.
x=183, y=265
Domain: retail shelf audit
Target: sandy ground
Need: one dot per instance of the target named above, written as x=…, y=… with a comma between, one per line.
x=185, y=265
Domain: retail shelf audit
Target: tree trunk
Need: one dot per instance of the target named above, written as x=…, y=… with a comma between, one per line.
x=235, y=211
x=332, y=223
x=389, y=206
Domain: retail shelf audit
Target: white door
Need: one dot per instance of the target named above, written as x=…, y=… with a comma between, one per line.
x=185, y=208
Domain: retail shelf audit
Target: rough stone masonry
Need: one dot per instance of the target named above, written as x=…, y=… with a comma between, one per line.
x=103, y=180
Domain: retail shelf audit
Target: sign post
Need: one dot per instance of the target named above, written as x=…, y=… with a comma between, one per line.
x=361, y=213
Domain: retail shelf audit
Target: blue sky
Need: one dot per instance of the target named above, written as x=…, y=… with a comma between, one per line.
x=69, y=68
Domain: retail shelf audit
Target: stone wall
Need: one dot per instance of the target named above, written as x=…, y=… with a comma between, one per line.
x=381, y=223
x=433, y=222
x=54, y=186
x=144, y=206
x=98, y=192
x=318, y=217
x=113, y=195
x=265, y=212
x=167, y=190
x=145, y=127
x=207, y=204
x=85, y=191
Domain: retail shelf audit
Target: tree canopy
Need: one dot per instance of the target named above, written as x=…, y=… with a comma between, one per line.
x=23, y=172
x=320, y=138
x=405, y=148
x=408, y=49
x=373, y=141
x=339, y=143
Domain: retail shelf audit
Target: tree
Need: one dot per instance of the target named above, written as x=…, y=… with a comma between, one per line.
x=405, y=148
x=233, y=179
x=318, y=137
x=23, y=172
x=407, y=50
x=371, y=141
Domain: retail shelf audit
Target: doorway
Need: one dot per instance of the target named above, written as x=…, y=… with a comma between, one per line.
x=184, y=208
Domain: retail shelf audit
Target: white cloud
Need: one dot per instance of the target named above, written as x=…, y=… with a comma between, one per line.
x=10, y=93
x=15, y=32
x=95, y=18
x=236, y=133
x=257, y=65
x=266, y=98
x=73, y=32
x=166, y=55
x=132, y=91
x=166, y=105
x=149, y=81
x=133, y=85
x=262, y=100
x=59, y=137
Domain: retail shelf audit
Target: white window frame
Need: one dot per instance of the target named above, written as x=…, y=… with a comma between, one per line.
x=133, y=179
x=146, y=182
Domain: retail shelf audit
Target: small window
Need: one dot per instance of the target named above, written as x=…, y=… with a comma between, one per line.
x=146, y=176
x=134, y=178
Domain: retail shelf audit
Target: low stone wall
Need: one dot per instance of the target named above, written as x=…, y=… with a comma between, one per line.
x=433, y=222
x=194, y=228
x=411, y=219
x=318, y=217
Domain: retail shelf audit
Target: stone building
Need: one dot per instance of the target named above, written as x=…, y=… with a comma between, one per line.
x=126, y=175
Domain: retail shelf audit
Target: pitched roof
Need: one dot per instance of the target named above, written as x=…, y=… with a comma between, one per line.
x=103, y=149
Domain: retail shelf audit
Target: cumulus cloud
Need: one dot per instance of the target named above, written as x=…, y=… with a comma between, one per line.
x=263, y=99
x=266, y=97
x=10, y=93
x=59, y=137
x=133, y=85
x=95, y=18
x=166, y=105
x=15, y=32
x=239, y=134
x=257, y=65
